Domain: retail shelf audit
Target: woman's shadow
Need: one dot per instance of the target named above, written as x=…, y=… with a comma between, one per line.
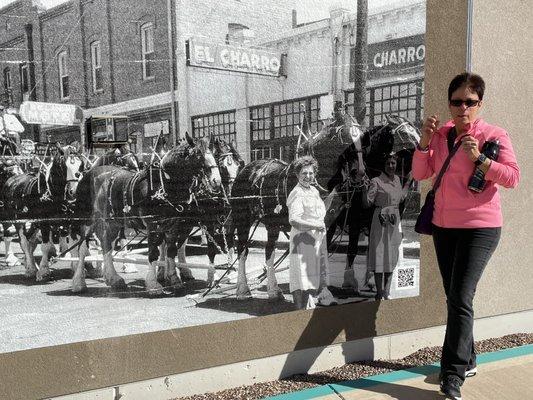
x=353, y=325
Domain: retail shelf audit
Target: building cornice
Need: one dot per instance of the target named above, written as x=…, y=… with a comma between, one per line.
x=56, y=11
x=318, y=28
x=322, y=27
x=11, y=7
x=131, y=106
x=12, y=42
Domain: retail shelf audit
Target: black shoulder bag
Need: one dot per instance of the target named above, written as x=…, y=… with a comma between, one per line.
x=423, y=223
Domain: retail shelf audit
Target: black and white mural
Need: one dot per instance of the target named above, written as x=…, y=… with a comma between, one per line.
x=157, y=176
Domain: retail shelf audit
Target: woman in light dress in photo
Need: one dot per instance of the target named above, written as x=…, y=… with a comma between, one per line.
x=309, y=267
x=385, y=193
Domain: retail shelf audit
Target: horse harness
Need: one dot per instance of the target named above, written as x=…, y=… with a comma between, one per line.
x=196, y=189
x=260, y=179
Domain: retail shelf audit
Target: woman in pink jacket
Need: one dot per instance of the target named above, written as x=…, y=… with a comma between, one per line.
x=467, y=223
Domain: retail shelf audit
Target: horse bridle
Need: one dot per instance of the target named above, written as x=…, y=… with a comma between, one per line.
x=199, y=183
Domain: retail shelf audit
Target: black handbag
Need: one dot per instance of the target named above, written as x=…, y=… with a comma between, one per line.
x=423, y=223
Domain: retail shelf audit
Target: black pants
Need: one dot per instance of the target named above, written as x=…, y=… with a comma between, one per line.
x=462, y=255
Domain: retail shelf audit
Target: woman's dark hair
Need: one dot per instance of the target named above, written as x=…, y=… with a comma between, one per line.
x=304, y=161
x=472, y=81
x=389, y=156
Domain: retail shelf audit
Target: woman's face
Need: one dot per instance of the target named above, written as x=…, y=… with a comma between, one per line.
x=390, y=166
x=465, y=113
x=306, y=176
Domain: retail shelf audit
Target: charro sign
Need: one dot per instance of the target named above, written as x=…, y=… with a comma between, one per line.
x=395, y=57
x=231, y=58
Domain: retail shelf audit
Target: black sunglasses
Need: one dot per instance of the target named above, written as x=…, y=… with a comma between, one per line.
x=468, y=103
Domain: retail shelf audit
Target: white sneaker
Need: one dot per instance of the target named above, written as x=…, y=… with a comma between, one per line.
x=471, y=372
x=325, y=298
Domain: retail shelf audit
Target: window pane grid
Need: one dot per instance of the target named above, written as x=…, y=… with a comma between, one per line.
x=279, y=124
x=63, y=75
x=147, y=50
x=403, y=99
x=96, y=64
x=222, y=125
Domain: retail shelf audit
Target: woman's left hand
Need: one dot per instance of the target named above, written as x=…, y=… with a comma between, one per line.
x=470, y=146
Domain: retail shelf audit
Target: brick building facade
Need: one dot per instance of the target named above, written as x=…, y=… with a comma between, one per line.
x=112, y=57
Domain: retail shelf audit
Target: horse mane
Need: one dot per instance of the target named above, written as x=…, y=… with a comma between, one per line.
x=181, y=159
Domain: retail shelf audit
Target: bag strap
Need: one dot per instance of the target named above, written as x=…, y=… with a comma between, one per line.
x=447, y=162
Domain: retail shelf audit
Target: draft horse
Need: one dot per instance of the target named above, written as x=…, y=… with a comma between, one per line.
x=397, y=135
x=260, y=193
x=111, y=198
x=212, y=213
x=44, y=199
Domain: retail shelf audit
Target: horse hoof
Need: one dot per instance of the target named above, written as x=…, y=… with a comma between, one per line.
x=243, y=292
x=93, y=273
x=186, y=275
x=154, y=290
x=79, y=288
x=187, y=278
x=175, y=282
x=116, y=283
x=275, y=295
x=43, y=275
x=244, y=296
x=30, y=274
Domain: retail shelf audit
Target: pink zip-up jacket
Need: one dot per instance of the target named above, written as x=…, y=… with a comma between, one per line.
x=455, y=205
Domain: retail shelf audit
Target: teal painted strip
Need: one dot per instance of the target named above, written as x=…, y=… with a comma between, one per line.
x=389, y=377
x=395, y=376
x=507, y=353
x=304, y=394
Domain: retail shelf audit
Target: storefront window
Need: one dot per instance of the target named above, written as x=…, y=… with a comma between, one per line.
x=278, y=123
x=403, y=99
x=219, y=124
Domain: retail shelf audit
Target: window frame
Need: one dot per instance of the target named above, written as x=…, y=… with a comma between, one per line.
x=62, y=58
x=404, y=98
x=8, y=79
x=275, y=125
x=221, y=124
x=24, y=71
x=145, y=51
x=96, y=67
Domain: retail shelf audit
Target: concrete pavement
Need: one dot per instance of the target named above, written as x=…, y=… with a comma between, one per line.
x=502, y=375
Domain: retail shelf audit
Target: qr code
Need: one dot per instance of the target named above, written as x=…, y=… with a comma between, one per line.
x=406, y=278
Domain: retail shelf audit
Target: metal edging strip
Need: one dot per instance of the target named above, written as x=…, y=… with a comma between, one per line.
x=469, y=28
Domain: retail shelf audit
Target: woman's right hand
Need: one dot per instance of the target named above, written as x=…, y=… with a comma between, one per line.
x=321, y=226
x=428, y=129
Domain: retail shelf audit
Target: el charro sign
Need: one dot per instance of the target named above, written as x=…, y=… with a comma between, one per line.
x=231, y=58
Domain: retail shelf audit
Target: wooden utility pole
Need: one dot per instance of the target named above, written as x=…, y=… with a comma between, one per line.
x=359, y=63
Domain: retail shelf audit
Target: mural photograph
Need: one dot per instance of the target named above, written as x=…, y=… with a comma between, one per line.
x=171, y=164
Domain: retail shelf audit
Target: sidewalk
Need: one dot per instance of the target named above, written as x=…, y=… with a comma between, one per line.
x=502, y=375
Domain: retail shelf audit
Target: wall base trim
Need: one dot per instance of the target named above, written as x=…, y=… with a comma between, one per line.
x=317, y=359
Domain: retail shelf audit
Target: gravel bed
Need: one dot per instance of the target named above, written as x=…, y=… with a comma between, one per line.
x=360, y=369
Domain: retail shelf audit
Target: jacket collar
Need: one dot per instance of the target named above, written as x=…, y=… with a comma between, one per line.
x=474, y=129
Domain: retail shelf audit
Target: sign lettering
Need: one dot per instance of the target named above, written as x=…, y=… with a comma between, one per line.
x=33, y=112
x=394, y=57
x=232, y=58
